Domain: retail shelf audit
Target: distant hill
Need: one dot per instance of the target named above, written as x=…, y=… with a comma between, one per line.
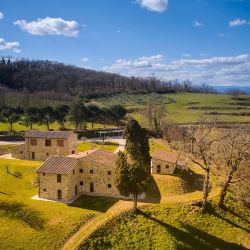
x=30, y=76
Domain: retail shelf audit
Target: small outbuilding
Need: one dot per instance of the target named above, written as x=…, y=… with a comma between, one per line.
x=163, y=162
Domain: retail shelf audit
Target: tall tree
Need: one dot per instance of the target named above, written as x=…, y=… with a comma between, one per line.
x=156, y=114
x=117, y=113
x=133, y=167
x=94, y=113
x=78, y=114
x=199, y=143
x=47, y=116
x=30, y=117
x=61, y=112
x=10, y=115
x=231, y=160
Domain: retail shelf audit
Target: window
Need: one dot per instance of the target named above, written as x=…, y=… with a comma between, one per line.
x=44, y=189
x=76, y=190
x=47, y=143
x=73, y=171
x=47, y=154
x=81, y=183
x=33, y=155
x=167, y=167
x=109, y=172
x=21, y=152
x=109, y=185
x=81, y=170
x=59, y=194
x=60, y=143
x=43, y=174
x=33, y=142
x=158, y=169
x=59, y=178
x=91, y=171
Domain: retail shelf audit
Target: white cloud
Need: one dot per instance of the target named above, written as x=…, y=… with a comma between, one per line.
x=85, y=59
x=186, y=55
x=238, y=22
x=198, y=23
x=50, y=26
x=12, y=46
x=154, y=5
x=1, y=15
x=213, y=70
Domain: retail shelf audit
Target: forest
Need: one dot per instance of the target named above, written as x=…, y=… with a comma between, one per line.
x=42, y=76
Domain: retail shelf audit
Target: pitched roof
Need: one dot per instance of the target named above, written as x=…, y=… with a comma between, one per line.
x=102, y=156
x=49, y=134
x=165, y=156
x=57, y=165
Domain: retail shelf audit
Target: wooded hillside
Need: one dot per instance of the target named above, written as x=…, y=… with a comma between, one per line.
x=43, y=76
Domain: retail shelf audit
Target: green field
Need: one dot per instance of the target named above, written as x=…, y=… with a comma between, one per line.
x=84, y=146
x=167, y=219
x=182, y=107
x=33, y=224
x=53, y=126
x=172, y=226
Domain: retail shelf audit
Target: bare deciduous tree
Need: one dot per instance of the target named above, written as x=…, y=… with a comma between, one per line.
x=156, y=115
x=231, y=161
x=199, y=141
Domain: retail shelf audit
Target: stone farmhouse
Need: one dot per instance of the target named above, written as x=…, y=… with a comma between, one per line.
x=163, y=162
x=65, y=178
x=40, y=145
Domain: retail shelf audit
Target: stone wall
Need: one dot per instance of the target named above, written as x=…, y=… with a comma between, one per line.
x=165, y=167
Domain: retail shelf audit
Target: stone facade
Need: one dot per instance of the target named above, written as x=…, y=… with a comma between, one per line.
x=162, y=167
x=163, y=162
x=42, y=144
x=88, y=176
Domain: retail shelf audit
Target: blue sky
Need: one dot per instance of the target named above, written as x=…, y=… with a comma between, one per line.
x=200, y=40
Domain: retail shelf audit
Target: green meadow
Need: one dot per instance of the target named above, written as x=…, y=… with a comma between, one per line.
x=185, y=107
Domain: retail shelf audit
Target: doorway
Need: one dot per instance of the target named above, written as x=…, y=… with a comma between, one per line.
x=91, y=187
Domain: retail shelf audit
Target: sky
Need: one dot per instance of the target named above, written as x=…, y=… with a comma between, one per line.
x=205, y=41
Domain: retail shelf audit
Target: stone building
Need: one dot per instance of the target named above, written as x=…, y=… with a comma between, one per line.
x=163, y=162
x=65, y=178
x=40, y=145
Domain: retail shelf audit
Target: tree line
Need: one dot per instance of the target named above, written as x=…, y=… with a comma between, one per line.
x=77, y=114
x=34, y=76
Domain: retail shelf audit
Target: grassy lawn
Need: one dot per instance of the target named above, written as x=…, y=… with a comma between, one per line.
x=32, y=224
x=173, y=226
x=54, y=126
x=184, y=108
x=84, y=146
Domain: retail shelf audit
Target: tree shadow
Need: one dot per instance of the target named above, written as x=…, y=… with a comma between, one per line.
x=153, y=194
x=95, y=203
x=193, y=238
x=236, y=214
x=20, y=211
x=213, y=212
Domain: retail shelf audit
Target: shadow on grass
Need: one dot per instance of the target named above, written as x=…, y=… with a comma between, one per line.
x=20, y=211
x=95, y=203
x=153, y=194
x=213, y=212
x=193, y=238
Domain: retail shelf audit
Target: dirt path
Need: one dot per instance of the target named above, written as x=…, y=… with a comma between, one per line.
x=98, y=221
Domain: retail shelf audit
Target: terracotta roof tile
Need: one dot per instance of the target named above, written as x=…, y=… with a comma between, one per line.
x=102, y=156
x=165, y=156
x=58, y=165
x=49, y=134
